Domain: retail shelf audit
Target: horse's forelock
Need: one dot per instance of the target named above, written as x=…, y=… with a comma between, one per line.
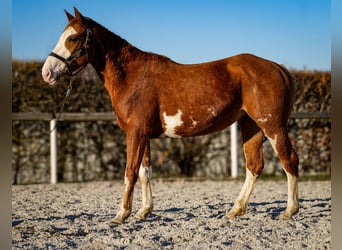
x=78, y=27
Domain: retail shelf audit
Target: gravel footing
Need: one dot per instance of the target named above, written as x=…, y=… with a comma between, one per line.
x=187, y=215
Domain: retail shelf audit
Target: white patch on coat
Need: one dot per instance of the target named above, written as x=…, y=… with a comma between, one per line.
x=273, y=143
x=171, y=123
x=212, y=111
x=255, y=89
x=194, y=123
x=264, y=118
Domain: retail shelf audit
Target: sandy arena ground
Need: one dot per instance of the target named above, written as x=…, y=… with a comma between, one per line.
x=187, y=215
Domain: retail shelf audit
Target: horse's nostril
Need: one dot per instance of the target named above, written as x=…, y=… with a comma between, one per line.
x=46, y=74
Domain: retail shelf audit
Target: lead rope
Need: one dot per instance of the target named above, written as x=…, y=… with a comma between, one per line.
x=67, y=94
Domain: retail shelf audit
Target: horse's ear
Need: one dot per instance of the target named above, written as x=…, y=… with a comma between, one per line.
x=79, y=16
x=69, y=16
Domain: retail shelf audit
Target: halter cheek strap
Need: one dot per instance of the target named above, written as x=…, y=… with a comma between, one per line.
x=75, y=55
x=62, y=59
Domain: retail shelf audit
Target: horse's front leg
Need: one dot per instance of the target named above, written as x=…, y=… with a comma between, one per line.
x=145, y=174
x=136, y=143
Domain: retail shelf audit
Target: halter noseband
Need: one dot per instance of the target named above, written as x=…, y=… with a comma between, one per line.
x=75, y=55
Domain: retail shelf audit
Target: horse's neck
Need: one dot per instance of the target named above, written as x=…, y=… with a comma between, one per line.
x=108, y=51
x=112, y=58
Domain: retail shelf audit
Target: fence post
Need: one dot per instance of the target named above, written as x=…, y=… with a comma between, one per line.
x=53, y=151
x=234, y=150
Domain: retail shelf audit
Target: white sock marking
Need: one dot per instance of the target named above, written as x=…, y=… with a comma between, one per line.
x=145, y=174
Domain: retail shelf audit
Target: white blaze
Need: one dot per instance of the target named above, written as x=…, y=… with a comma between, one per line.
x=60, y=48
x=54, y=65
x=172, y=122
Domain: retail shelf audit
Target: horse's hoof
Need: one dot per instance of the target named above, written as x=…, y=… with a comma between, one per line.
x=121, y=216
x=143, y=213
x=289, y=212
x=140, y=216
x=230, y=215
x=287, y=216
x=117, y=221
x=235, y=212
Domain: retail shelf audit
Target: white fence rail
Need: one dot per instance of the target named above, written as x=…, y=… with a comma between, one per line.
x=111, y=116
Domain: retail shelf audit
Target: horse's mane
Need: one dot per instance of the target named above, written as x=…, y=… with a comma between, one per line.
x=113, y=38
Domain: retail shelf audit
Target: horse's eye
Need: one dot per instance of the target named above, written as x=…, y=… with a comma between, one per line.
x=73, y=39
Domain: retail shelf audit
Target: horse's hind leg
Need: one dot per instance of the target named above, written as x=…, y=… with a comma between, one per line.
x=145, y=174
x=252, y=137
x=282, y=146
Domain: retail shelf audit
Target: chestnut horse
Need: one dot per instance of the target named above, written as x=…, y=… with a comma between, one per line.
x=152, y=95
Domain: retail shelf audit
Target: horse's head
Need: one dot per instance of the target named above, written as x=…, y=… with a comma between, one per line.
x=72, y=51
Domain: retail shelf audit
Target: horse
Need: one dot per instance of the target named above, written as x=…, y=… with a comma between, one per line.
x=153, y=96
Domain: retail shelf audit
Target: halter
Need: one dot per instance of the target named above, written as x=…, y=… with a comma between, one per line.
x=75, y=55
